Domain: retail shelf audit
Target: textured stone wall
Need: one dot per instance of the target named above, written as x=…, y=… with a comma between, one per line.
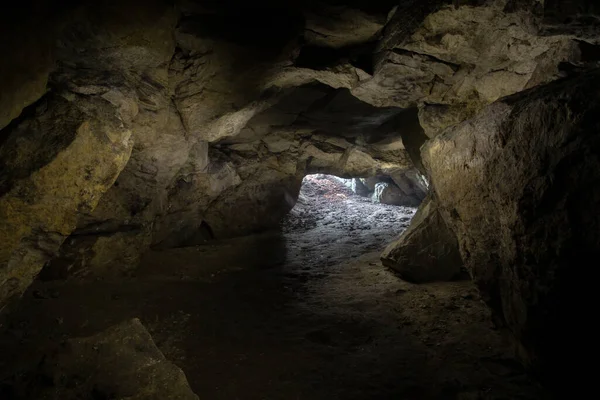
x=518, y=184
x=126, y=125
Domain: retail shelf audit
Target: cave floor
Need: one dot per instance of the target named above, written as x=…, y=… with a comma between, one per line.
x=303, y=313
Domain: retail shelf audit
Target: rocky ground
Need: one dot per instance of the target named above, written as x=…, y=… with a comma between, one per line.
x=327, y=210
x=305, y=313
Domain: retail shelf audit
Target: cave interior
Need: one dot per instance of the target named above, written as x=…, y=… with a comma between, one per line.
x=311, y=199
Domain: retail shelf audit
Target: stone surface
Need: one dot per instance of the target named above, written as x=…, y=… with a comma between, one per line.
x=341, y=26
x=519, y=185
x=121, y=362
x=412, y=185
x=230, y=104
x=460, y=58
x=55, y=167
x=427, y=251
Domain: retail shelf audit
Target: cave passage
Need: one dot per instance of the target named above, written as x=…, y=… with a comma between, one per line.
x=303, y=312
x=167, y=231
x=335, y=223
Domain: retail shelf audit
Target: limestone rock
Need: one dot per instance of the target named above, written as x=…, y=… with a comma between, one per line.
x=120, y=362
x=229, y=105
x=461, y=58
x=434, y=118
x=411, y=183
x=518, y=185
x=427, y=251
x=55, y=166
x=370, y=183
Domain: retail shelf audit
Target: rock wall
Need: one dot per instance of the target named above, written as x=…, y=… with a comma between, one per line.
x=167, y=124
x=518, y=184
x=427, y=251
x=121, y=362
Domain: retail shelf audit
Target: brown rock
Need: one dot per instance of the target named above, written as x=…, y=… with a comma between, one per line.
x=55, y=166
x=518, y=184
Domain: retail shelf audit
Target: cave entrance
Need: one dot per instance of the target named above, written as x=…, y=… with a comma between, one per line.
x=335, y=218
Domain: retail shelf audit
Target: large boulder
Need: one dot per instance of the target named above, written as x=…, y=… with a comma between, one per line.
x=427, y=251
x=55, y=165
x=519, y=185
x=401, y=188
x=121, y=362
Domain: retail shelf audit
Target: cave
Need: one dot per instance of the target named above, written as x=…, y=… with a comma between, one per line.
x=312, y=199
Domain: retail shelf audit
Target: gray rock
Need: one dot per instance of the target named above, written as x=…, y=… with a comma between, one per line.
x=427, y=251
x=360, y=188
x=225, y=122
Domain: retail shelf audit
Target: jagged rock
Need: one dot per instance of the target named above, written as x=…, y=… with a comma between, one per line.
x=434, y=118
x=427, y=251
x=360, y=188
x=339, y=26
x=309, y=130
x=121, y=362
x=519, y=185
x=462, y=57
x=230, y=104
x=389, y=193
x=56, y=164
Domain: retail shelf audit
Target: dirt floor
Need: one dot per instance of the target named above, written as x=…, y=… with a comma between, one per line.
x=308, y=313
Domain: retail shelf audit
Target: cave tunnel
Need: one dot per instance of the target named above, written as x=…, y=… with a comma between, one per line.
x=313, y=199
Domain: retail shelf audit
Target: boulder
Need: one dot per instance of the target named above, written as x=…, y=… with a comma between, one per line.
x=229, y=105
x=401, y=188
x=55, y=165
x=387, y=193
x=360, y=188
x=427, y=250
x=121, y=362
x=519, y=185
x=412, y=184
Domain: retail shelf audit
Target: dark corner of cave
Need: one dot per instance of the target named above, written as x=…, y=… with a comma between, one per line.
x=299, y=200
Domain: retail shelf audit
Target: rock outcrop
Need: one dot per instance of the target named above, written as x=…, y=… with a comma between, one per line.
x=121, y=362
x=518, y=184
x=427, y=251
x=55, y=167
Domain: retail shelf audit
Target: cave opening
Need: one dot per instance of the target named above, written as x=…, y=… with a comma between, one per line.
x=337, y=219
x=368, y=207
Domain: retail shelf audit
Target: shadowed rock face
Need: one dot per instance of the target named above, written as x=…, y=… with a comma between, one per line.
x=519, y=186
x=427, y=251
x=120, y=362
x=127, y=125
